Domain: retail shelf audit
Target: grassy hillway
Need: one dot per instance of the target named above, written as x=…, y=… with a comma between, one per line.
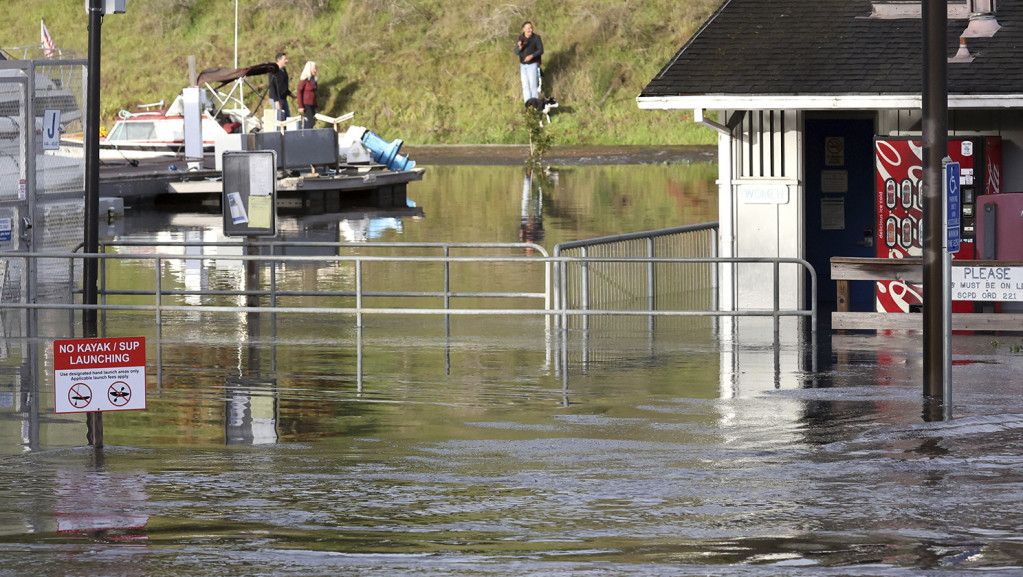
x=425, y=71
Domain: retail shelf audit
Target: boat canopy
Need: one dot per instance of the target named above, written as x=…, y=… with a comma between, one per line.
x=231, y=103
x=225, y=75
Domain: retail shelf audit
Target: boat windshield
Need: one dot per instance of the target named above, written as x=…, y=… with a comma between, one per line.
x=134, y=130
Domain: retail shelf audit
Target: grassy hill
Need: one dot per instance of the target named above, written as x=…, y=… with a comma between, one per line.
x=426, y=71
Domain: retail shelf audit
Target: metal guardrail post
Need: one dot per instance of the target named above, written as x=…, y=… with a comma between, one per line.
x=447, y=277
x=650, y=282
x=716, y=274
x=547, y=293
x=777, y=300
x=159, y=291
x=158, y=294
x=584, y=286
x=358, y=292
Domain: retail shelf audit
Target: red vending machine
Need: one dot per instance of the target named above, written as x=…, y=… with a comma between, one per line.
x=898, y=228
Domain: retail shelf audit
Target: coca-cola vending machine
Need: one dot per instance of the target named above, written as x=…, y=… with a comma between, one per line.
x=899, y=217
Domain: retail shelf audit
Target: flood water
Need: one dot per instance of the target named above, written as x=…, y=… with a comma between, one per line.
x=411, y=446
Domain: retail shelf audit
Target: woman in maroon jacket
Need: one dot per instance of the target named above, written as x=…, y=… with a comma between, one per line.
x=307, y=94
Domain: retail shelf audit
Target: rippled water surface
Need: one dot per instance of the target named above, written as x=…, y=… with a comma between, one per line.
x=478, y=447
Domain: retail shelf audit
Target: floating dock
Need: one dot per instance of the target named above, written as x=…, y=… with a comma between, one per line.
x=156, y=181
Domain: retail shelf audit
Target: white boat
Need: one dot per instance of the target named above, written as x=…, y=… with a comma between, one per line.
x=160, y=133
x=154, y=134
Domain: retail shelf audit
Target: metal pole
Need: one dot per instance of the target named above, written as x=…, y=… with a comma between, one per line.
x=90, y=268
x=239, y=83
x=935, y=142
x=94, y=422
x=946, y=341
x=946, y=289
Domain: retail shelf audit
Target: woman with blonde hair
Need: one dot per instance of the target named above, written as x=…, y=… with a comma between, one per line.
x=307, y=94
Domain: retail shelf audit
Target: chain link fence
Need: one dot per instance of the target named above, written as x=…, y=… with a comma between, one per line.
x=42, y=175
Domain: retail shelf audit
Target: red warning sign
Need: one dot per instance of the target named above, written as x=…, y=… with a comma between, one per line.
x=99, y=374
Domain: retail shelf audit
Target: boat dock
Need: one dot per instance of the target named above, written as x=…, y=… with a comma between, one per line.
x=169, y=180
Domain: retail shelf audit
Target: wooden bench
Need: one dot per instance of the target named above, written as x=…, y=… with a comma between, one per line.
x=846, y=269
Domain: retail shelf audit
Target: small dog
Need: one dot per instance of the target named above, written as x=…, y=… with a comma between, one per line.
x=544, y=105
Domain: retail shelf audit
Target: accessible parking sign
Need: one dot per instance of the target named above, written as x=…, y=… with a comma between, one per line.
x=99, y=374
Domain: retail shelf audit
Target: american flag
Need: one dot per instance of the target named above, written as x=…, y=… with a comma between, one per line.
x=48, y=47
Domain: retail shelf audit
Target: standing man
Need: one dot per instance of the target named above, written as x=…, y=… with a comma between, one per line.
x=279, y=91
x=529, y=49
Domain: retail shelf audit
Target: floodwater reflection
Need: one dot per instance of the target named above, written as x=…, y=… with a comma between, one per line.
x=413, y=446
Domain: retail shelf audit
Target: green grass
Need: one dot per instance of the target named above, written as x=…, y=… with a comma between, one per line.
x=426, y=71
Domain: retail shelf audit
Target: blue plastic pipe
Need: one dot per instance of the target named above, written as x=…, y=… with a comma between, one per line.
x=386, y=153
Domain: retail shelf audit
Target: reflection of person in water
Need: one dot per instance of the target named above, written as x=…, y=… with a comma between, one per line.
x=531, y=225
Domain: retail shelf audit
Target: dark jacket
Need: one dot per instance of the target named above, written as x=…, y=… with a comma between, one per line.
x=279, y=85
x=306, y=93
x=532, y=46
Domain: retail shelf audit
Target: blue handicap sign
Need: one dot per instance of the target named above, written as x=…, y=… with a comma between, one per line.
x=953, y=209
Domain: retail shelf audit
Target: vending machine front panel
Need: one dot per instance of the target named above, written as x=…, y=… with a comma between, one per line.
x=899, y=227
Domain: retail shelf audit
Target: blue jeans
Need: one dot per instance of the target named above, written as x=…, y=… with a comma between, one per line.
x=530, y=74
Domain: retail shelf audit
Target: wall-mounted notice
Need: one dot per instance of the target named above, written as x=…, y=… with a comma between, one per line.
x=987, y=283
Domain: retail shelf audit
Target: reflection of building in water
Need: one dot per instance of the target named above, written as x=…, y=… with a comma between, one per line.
x=366, y=228
x=251, y=412
x=531, y=224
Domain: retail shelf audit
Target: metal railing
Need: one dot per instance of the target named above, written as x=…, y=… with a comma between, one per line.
x=255, y=283
x=583, y=286
x=276, y=255
x=622, y=272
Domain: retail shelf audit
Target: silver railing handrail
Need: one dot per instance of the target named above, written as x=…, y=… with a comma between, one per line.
x=328, y=244
x=561, y=247
x=158, y=291
x=557, y=311
x=689, y=236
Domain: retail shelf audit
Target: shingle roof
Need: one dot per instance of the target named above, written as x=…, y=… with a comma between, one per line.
x=829, y=47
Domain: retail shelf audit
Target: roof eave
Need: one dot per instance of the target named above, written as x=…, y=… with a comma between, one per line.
x=822, y=102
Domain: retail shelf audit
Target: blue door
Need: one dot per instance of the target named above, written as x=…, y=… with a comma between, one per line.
x=839, y=163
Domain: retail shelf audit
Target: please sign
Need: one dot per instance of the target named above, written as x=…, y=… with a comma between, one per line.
x=987, y=283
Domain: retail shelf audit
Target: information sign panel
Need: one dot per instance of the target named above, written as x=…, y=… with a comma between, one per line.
x=250, y=193
x=92, y=375
x=987, y=283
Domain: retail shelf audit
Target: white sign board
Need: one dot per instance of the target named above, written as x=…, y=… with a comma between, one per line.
x=192, y=97
x=92, y=375
x=987, y=283
x=51, y=130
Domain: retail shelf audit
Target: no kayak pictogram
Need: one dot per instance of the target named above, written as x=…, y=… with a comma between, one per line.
x=119, y=393
x=79, y=395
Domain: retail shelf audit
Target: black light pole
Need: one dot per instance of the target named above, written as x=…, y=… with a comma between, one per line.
x=935, y=141
x=94, y=420
x=91, y=266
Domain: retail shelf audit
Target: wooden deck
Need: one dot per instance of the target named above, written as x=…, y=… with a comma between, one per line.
x=847, y=269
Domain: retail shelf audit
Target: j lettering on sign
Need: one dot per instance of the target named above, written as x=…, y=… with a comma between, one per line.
x=987, y=283
x=99, y=375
